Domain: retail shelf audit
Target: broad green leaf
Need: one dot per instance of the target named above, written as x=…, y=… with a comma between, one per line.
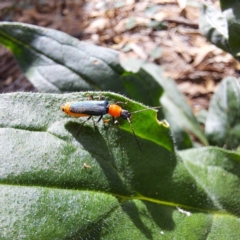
x=56, y=62
x=213, y=25
x=222, y=124
x=135, y=75
x=217, y=171
x=175, y=107
x=231, y=11
x=98, y=185
x=202, y=116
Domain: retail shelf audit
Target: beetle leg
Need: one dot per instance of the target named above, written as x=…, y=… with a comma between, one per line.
x=99, y=118
x=90, y=96
x=115, y=121
x=101, y=97
x=83, y=124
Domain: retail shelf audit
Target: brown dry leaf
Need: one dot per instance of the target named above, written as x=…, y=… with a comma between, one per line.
x=138, y=50
x=32, y=16
x=192, y=89
x=236, y=64
x=182, y=3
x=210, y=84
x=97, y=25
x=184, y=87
x=122, y=25
x=223, y=57
x=180, y=46
x=194, y=33
x=8, y=81
x=160, y=16
x=4, y=5
x=202, y=53
x=120, y=41
x=202, y=89
x=141, y=6
x=96, y=14
x=130, y=2
x=163, y=1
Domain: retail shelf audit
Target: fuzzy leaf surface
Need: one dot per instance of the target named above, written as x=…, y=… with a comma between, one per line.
x=222, y=123
x=57, y=62
x=213, y=25
x=98, y=185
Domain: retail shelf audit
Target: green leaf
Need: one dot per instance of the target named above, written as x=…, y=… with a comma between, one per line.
x=213, y=25
x=231, y=12
x=175, y=107
x=222, y=124
x=98, y=185
x=217, y=171
x=56, y=62
x=223, y=29
x=176, y=110
x=149, y=90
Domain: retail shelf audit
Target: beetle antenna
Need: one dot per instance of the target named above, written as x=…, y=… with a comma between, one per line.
x=130, y=123
x=149, y=108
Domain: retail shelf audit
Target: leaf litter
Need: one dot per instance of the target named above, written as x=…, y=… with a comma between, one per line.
x=164, y=32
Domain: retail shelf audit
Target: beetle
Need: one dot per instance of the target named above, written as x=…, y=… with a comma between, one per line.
x=99, y=108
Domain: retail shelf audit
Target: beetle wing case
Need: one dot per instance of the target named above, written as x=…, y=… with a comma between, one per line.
x=94, y=108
